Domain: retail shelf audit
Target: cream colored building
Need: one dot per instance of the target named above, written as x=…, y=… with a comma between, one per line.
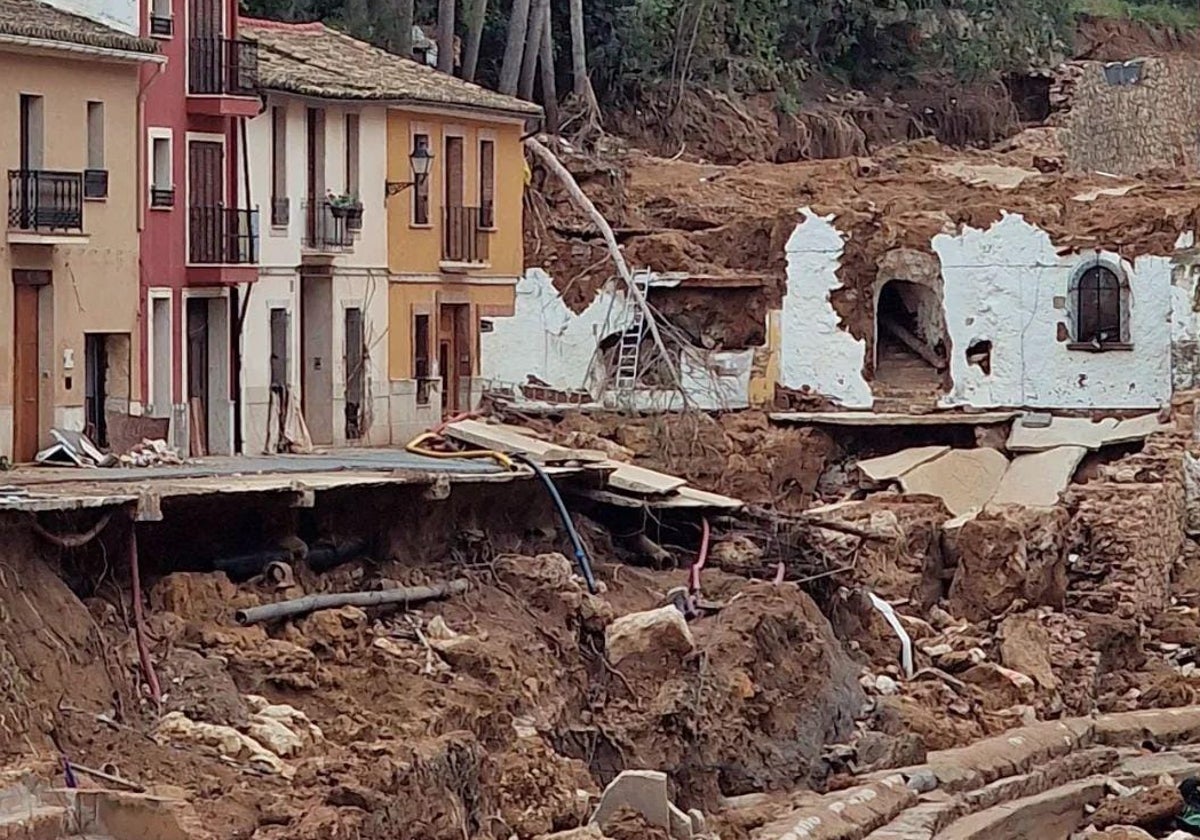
x=69, y=300
x=373, y=281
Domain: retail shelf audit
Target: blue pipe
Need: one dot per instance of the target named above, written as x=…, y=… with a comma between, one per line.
x=585, y=566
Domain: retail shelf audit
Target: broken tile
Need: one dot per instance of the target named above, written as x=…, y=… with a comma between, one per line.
x=1038, y=478
x=893, y=466
x=965, y=479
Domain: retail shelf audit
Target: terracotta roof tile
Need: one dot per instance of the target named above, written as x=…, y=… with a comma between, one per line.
x=312, y=59
x=31, y=19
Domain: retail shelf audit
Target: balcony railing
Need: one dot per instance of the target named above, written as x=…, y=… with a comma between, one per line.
x=221, y=66
x=161, y=24
x=222, y=236
x=327, y=227
x=464, y=236
x=161, y=197
x=41, y=200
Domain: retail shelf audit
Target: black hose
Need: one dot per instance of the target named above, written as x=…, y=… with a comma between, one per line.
x=585, y=566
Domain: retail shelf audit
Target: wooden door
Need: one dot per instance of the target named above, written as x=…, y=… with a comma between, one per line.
x=206, y=193
x=455, y=358
x=197, y=373
x=206, y=19
x=25, y=373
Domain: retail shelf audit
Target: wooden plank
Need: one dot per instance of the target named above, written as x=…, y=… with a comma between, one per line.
x=509, y=439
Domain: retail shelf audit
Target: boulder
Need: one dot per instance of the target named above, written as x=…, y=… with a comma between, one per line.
x=663, y=630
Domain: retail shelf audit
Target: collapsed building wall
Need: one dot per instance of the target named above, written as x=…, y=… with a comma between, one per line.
x=1128, y=117
x=546, y=340
x=1011, y=318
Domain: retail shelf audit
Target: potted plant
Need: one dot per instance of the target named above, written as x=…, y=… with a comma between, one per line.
x=346, y=206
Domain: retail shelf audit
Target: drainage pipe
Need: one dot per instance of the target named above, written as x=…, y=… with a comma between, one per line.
x=332, y=600
x=585, y=567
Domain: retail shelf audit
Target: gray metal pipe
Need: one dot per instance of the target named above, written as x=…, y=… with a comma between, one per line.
x=332, y=600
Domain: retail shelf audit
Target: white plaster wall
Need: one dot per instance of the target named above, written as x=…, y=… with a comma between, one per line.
x=119, y=14
x=282, y=246
x=274, y=290
x=545, y=338
x=1001, y=285
x=359, y=275
x=367, y=291
x=814, y=351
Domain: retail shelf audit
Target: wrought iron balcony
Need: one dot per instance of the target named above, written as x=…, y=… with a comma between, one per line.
x=162, y=197
x=161, y=25
x=327, y=227
x=41, y=200
x=465, y=237
x=222, y=67
x=222, y=236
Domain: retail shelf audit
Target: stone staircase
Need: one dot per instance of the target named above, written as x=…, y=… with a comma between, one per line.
x=904, y=383
x=1031, y=783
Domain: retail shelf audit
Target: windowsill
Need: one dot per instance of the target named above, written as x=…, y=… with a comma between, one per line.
x=162, y=208
x=1088, y=347
x=280, y=230
x=421, y=225
x=162, y=37
x=95, y=198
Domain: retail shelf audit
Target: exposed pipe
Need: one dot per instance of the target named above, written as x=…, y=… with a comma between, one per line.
x=311, y=603
x=139, y=619
x=581, y=557
x=698, y=566
x=240, y=312
x=70, y=540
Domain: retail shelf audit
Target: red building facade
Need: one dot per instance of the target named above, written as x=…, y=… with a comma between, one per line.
x=199, y=249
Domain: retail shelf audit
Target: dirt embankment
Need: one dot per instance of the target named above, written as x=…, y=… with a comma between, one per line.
x=495, y=714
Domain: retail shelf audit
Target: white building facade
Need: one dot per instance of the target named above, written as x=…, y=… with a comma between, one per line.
x=992, y=318
x=315, y=331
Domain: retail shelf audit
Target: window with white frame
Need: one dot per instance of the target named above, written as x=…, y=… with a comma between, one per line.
x=162, y=182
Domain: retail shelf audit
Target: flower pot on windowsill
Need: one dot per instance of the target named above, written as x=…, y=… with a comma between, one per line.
x=339, y=211
x=354, y=217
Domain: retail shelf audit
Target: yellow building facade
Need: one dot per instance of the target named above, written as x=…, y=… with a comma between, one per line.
x=455, y=247
x=69, y=257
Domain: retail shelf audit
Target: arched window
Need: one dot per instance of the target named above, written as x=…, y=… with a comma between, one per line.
x=1098, y=307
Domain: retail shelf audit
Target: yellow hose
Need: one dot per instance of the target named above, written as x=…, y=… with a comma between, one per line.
x=414, y=446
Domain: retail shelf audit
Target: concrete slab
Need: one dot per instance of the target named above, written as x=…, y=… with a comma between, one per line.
x=965, y=479
x=514, y=439
x=1036, y=479
x=870, y=418
x=893, y=466
x=630, y=479
x=644, y=791
x=1081, y=431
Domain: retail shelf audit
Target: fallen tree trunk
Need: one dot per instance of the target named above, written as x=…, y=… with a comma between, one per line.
x=585, y=204
x=311, y=603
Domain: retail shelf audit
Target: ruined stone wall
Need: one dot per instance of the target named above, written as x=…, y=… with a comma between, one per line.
x=1127, y=532
x=1129, y=118
x=1007, y=285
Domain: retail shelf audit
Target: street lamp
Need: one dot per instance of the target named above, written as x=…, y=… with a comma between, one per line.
x=419, y=162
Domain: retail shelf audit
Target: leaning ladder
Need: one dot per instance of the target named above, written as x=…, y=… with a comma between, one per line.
x=629, y=350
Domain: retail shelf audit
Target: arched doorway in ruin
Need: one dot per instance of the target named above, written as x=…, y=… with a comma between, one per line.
x=911, y=346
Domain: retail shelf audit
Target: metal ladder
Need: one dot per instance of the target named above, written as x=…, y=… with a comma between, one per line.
x=629, y=350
